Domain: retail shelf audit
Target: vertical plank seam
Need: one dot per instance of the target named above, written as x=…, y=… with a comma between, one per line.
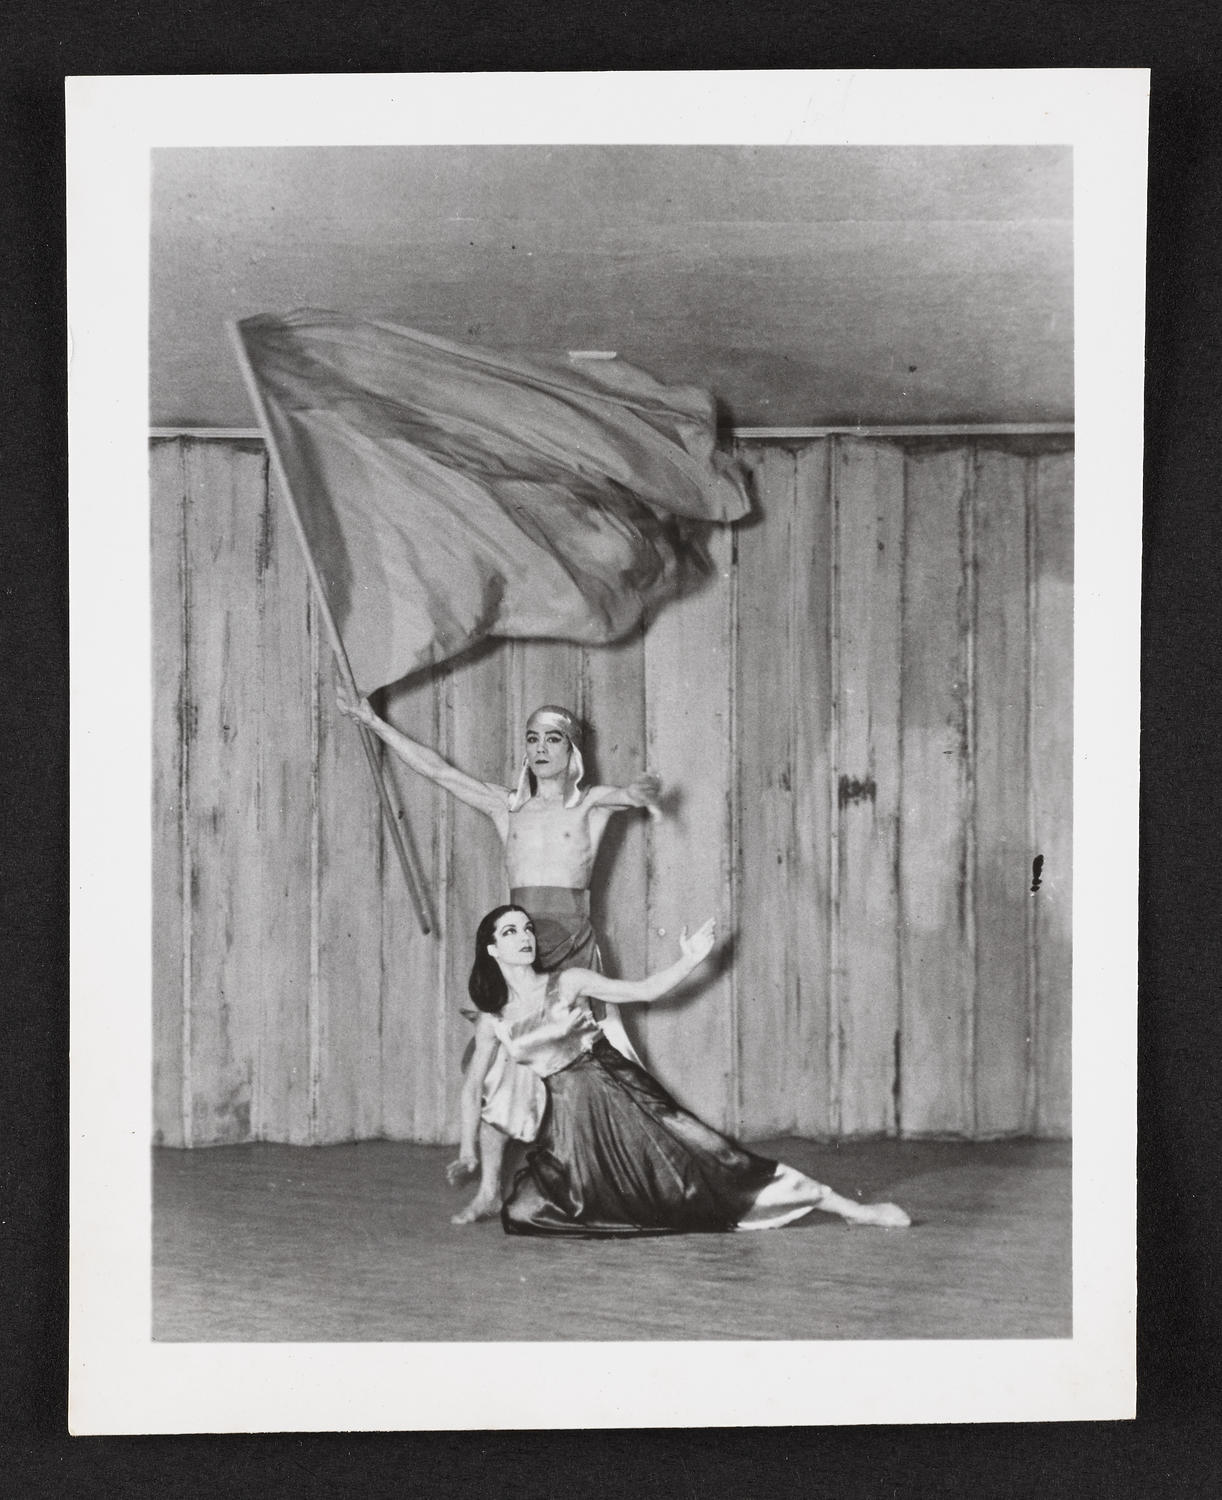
x=733, y=870
x=262, y=551
x=643, y=845
x=969, y=1106
x=576, y=675
x=824, y=853
x=650, y=847
x=897, y=1083
x=877, y=727
x=514, y=695
x=514, y=709
x=582, y=708
x=385, y=960
x=314, y=991
x=384, y=987
x=186, y=851
x=792, y=973
x=445, y=819
x=428, y=1104
x=729, y=1106
x=835, y=987
x=444, y=715
x=1030, y=1081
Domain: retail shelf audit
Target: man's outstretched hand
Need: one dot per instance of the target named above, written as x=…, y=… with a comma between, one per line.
x=645, y=790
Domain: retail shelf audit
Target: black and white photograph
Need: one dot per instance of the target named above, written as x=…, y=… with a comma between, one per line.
x=615, y=669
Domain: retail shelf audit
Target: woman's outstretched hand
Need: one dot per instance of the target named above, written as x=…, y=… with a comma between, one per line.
x=361, y=710
x=699, y=944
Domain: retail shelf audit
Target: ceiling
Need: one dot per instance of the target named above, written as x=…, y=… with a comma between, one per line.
x=802, y=285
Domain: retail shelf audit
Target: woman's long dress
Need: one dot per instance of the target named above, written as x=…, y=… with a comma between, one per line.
x=616, y=1155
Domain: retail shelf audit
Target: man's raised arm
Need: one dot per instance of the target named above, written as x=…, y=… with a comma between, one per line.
x=644, y=790
x=481, y=795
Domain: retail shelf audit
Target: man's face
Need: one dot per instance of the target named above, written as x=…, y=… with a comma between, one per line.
x=547, y=752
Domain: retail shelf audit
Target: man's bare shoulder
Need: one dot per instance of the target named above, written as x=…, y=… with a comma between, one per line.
x=609, y=797
x=496, y=805
x=600, y=796
x=587, y=798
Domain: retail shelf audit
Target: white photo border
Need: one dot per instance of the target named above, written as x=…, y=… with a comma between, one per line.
x=123, y=1382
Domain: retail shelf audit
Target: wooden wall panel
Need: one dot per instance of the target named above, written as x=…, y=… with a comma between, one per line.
x=613, y=695
x=1052, y=786
x=286, y=813
x=689, y=1040
x=171, y=936
x=350, y=862
x=810, y=580
x=476, y=711
x=415, y=1086
x=1003, y=859
x=765, y=973
x=539, y=672
x=937, y=932
x=869, y=499
x=808, y=711
x=224, y=490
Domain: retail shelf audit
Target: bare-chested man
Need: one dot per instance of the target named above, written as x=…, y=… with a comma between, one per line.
x=550, y=827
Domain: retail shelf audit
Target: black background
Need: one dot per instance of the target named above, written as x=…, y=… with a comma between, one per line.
x=1174, y=1447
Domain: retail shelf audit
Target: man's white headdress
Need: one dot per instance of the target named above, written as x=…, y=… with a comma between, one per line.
x=550, y=716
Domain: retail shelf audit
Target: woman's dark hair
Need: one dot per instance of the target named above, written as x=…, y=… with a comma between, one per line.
x=486, y=985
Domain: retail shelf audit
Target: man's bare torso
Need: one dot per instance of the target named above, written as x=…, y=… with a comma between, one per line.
x=547, y=843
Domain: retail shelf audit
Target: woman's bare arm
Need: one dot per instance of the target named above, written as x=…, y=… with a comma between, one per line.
x=482, y=795
x=693, y=951
x=486, y=1043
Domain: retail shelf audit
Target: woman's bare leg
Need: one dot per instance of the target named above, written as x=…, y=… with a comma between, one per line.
x=791, y=1194
x=487, y=1201
x=882, y=1215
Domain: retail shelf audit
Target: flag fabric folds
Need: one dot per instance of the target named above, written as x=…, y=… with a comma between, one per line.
x=450, y=493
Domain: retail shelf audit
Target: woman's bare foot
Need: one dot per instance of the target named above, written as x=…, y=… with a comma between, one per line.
x=479, y=1208
x=880, y=1215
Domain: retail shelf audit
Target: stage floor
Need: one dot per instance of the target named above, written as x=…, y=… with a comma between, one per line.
x=263, y=1243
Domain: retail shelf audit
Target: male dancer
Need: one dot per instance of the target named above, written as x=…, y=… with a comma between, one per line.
x=550, y=828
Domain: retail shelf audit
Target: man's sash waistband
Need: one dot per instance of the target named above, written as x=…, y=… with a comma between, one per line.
x=546, y=900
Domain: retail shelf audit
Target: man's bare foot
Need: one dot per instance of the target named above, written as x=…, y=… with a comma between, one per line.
x=478, y=1209
x=880, y=1215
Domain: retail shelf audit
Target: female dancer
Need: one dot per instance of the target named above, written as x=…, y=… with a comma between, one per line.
x=615, y=1154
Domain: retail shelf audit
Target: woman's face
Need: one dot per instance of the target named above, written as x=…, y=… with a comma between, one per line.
x=513, y=939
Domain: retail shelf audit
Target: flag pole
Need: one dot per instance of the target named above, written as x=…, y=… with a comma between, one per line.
x=376, y=767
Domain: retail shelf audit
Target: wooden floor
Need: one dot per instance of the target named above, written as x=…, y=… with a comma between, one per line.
x=353, y=1242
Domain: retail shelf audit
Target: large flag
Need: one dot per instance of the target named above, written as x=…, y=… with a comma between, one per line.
x=449, y=493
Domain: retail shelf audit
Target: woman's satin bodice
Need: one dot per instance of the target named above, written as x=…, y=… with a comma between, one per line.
x=550, y=1035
